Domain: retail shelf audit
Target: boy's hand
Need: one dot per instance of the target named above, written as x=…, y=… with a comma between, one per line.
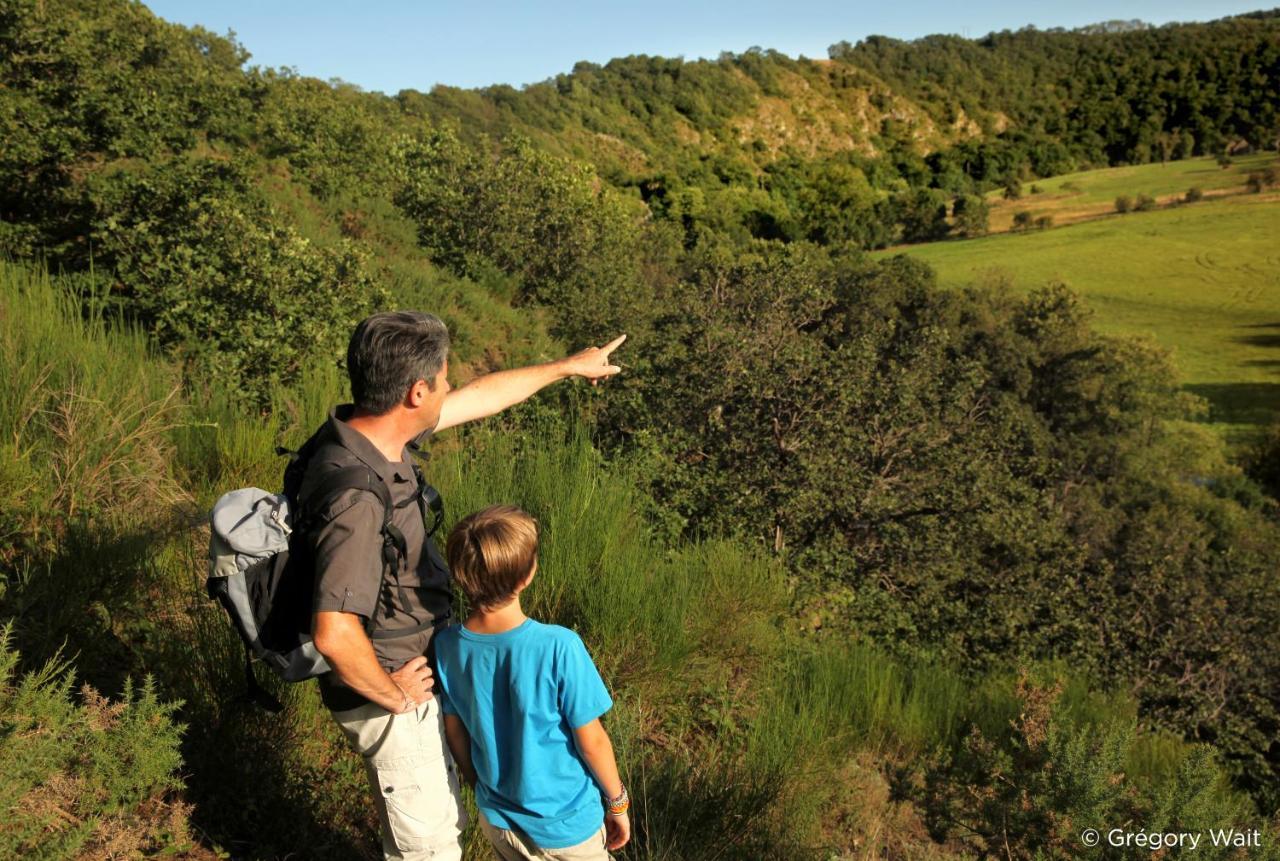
x=617, y=831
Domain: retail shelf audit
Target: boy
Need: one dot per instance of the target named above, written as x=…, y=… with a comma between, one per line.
x=522, y=704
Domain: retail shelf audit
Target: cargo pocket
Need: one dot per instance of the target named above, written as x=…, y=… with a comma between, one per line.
x=413, y=811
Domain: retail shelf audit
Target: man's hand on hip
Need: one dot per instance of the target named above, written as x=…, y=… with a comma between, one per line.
x=415, y=678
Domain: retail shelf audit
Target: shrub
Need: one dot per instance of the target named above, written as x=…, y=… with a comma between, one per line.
x=1035, y=189
x=1260, y=180
x=1022, y=220
x=1044, y=222
x=1124, y=203
x=1144, y=203
x=1194, y=194
x=212, y=272
x=92, y=779
x=1032, y=785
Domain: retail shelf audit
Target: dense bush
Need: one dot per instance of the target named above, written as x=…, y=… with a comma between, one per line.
x=567, y=239
x=87, y=779
x=211, y=271
x=93, y=80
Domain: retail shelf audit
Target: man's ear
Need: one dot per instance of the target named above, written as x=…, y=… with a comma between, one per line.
x=417, y=394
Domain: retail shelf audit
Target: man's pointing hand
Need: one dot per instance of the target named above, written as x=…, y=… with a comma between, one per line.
x=593, y=363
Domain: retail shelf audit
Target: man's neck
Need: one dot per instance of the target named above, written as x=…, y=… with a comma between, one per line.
x=497, y=620
x=387, y=433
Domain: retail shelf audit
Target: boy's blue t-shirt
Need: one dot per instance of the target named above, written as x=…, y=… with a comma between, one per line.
x=521, y=694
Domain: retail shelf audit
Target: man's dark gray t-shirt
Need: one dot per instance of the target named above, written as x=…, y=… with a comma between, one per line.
x=350, y=572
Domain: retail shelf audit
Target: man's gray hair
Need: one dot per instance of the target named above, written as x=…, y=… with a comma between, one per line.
x=391, y=351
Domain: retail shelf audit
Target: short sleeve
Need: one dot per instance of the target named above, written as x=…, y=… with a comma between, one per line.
x=583, y=696
x=446, y=704
x=348, y=555
x=444, y=643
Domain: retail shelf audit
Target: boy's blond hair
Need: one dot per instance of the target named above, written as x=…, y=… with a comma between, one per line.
x=491, y=551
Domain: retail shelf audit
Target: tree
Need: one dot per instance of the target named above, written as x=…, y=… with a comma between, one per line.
x=922, y=214
x=971, y=215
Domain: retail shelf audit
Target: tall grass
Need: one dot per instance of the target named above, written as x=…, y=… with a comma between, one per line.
x=80, y=427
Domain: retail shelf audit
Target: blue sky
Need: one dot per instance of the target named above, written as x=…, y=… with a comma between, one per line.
x=390, y=45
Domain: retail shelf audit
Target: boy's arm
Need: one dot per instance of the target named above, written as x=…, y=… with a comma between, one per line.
x=455, y=734
x=595, y=747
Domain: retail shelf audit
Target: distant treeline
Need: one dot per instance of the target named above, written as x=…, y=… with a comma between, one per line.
x=762, y=144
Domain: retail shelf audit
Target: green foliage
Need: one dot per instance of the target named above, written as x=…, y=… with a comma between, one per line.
x=88, y=779
x=1194, y=194
x=1144, y=203
x=1124, y=203
x=209, y=270
x=971, y=215
x=99, y=79
x=334, y=136
x=1094, y=97
x=1030, y=790
x=1022, y=220
x=958, y=471
x=566, y=238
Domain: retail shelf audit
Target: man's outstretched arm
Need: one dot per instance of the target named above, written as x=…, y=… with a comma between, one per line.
x=493, y=393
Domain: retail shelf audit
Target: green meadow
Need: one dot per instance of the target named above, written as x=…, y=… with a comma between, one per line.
x=1083, y=195
x=1201, y=279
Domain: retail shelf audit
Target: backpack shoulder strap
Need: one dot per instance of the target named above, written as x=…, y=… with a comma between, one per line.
x=335, y=481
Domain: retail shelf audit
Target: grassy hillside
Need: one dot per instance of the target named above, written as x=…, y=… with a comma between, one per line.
x=1199, y=278
x=1089, y=194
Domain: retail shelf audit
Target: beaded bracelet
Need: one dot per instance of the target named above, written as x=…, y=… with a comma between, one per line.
x=620, y=805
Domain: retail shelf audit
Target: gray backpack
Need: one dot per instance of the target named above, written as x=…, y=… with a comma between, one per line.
x=262, y=570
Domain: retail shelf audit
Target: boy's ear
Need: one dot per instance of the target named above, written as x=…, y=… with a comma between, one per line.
x=528, y=578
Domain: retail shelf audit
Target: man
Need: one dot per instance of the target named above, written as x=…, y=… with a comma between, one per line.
x=373, y=624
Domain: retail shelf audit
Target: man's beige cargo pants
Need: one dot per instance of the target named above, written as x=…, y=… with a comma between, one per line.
x=414, y=782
